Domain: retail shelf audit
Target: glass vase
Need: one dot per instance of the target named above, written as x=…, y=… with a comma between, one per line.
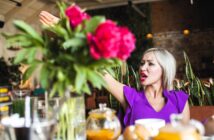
x=72, y=121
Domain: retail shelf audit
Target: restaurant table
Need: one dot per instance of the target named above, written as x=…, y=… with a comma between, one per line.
x=203, y=138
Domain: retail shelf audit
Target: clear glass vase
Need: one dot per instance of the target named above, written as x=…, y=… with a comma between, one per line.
x=72, y=121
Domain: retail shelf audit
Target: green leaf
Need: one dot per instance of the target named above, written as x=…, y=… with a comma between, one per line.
x=22, y=26
x=75, y=42
x=91, y=25
x=60, y=31
x=188, y=69
x=20, y=56
x=53, y=90
x=44, y=74
x=86, y=89
x=80, y=78
x=105, y=63
x=136, y=79
x=60, y=75
x=68, y=26
x=29, y=71
x=62, y=6
x=80, y=35
x=95, y=79
x=208, y=95
x=126, y=76
x=78, y=28
x=17, y=40
x=31, y=54
x=195, y=88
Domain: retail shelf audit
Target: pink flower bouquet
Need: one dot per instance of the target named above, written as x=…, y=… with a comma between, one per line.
x=74, y=51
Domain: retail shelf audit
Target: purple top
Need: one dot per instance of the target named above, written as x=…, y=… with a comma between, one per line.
x=139, y=107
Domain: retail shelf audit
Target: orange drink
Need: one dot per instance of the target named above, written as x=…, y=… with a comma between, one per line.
x=103, y=134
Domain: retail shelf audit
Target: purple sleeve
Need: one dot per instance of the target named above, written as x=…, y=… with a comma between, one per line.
x=181, y=98
x=130, y=94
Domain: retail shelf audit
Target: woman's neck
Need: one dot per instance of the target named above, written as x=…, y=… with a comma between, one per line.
x=154, y=91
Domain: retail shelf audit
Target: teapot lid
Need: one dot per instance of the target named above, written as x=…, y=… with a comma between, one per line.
x=102, y=111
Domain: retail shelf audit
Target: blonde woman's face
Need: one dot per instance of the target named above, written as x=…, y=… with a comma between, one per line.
x=150, y=70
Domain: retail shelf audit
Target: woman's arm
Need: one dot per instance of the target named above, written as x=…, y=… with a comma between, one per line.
x=115, y=88
x=186, y=113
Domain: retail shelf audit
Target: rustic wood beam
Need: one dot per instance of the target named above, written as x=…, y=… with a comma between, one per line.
x=35, y=16
x=15, y=10
x=90, y=5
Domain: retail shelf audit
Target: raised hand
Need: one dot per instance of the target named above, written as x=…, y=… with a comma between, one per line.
x=47, y=18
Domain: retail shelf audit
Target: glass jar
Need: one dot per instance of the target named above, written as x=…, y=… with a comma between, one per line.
x=102, y=124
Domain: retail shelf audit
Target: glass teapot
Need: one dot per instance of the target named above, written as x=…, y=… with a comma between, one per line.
x=193, y=130
x=102, y=124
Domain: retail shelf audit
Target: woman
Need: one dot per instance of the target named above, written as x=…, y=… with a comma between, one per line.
x=157, y=99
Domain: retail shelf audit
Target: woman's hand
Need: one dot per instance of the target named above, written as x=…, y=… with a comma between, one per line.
x=47, y=18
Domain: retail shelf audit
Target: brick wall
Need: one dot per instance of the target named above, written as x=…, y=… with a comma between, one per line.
x=168, y=21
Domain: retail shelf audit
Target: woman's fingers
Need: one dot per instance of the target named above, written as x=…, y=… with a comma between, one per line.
x=47, y=15
x=47, y=19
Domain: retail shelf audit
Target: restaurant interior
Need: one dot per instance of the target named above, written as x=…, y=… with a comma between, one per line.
x=38, y=102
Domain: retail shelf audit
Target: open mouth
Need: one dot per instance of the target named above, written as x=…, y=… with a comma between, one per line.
x=143, y=76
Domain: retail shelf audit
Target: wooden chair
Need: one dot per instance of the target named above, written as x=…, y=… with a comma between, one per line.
x=201, y=113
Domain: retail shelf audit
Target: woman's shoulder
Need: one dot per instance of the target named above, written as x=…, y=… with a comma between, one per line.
x=131, y=90
x=177, y=93
x=179, y=98
x=131, y=94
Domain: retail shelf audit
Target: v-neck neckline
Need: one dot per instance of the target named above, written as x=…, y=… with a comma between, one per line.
x=165, y=96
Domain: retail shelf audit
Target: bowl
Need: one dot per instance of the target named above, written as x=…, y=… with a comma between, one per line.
x=152, y=125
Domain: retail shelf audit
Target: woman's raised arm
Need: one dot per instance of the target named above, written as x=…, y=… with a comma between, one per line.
x=115, y=88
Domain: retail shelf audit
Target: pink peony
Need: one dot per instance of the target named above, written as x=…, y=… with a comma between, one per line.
x=105, y=43
x=75, y=15
x=127, y=43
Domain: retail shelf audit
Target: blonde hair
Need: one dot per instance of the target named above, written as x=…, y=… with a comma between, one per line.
x=168, y=64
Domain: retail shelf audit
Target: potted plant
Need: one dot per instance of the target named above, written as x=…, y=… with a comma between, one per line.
x=74, y=53
x=201, y=93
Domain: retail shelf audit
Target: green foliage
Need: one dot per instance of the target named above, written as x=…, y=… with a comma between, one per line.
x=200, y=93
x=126, y=75
x=65, y=61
